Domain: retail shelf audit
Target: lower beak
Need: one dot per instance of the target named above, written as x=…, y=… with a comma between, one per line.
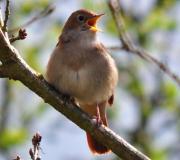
x=92, y=22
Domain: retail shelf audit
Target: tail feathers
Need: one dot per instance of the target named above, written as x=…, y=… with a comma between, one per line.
x=95, y=146
x=100, y=112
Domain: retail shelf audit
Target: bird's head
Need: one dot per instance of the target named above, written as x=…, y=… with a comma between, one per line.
x=82, y=21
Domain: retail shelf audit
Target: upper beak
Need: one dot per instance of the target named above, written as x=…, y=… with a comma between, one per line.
x=92, y=22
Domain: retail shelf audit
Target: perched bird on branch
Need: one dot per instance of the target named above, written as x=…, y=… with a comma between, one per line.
x=81, y=67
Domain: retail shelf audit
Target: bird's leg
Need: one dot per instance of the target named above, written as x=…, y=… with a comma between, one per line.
x=98, y=116
x=67, y=98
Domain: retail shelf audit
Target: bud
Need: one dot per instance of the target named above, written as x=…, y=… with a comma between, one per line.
x=36, y=139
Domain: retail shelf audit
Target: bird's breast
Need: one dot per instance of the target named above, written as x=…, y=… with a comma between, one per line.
x=88, y=83
x=73, y=81
x=86, y=76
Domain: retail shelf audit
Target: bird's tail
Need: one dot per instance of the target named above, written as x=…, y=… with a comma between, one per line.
x=94, y=145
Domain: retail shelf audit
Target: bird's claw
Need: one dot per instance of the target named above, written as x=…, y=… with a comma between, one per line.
x=67, y=98
x=98, y=120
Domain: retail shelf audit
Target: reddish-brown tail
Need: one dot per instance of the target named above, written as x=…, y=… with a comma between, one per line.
x=94, y=145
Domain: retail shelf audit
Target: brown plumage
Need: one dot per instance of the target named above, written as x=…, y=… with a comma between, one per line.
x=81, y=67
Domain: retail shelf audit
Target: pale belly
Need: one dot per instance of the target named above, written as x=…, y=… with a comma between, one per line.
x=85, y=85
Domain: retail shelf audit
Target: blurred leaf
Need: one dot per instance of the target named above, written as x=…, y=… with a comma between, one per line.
x=146, y=109
x=29, y=6
x=112, y=113
x=26, y=8
x=32, y=56
x=170, y=94
x=135, y=86
x=110, y=26
x=88, y=4
x=165, y=3
x=12, y=137
x=158, y=20
x=170, y=90
x=159, y=154
x=94, y=5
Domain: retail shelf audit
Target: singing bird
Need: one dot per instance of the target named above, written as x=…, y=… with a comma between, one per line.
x=80, y=66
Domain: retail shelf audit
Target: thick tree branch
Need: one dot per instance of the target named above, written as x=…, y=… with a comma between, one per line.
x=18, y=70
x=128, y=45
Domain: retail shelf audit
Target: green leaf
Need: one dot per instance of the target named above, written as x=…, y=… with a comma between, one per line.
x=110, y=26
x=159, y=154
x=158, y=20
x=32, y=54
x=170, y=94
x=29, y=6
x=12, y=137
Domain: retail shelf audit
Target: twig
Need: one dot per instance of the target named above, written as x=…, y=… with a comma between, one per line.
x=19, y=70
x=45, y=12
x=115, y=48
x=128, y=45
x=21, y=35
x=34, y=152
x=7, y=13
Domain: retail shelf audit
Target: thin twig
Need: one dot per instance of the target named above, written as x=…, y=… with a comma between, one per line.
x=45, y=12
x=21, y=36
x=7, y=13
x=128, y=45
x=34, y=152
x=114, y=48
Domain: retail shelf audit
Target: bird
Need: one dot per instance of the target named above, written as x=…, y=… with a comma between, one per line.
x=81, y=67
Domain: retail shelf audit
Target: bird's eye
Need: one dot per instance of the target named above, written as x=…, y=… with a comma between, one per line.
x=81, y=18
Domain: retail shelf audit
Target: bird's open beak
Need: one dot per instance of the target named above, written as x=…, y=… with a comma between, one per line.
x=91, y=22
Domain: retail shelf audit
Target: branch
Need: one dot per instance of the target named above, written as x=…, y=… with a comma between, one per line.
x=128, y=45
x=34, y=152
x=18, y=70
x=21, y=36
x=115, y=48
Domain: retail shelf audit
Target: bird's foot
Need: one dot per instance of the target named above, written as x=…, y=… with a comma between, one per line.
x=98, y=120
x=66, y=98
